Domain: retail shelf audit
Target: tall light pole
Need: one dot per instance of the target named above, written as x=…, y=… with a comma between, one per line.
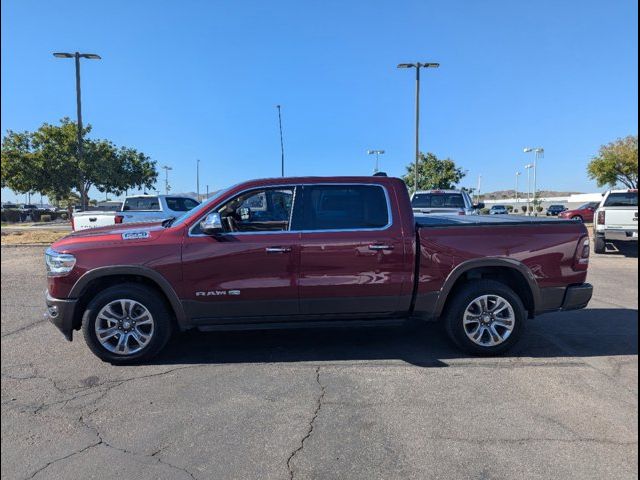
x=517, y=202
x=281, y=142
x=198, y=179
x=77, y=56
x=538, y=153
x=529, y=166
x=377, y=153
x=418, y=66
x=478, y=190
x=166, y=179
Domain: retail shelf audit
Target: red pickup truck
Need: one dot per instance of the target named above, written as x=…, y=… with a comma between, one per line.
x=294, y=252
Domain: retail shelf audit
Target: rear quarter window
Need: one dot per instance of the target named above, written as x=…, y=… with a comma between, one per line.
x=141, y=203
x=438, y=200
x=623, y=199
x=178, y=204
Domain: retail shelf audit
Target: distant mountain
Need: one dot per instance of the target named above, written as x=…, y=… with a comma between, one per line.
x=512, y=193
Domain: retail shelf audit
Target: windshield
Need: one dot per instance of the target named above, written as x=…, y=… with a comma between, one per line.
x=437, y=200
x=203, y=206
x=623, y=199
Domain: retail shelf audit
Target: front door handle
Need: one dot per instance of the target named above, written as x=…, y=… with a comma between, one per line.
x=380, y=247
x=277, y=249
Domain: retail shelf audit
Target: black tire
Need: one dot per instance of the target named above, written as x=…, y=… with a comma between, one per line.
x=456, y=307
x=599, y=244
x=147, y=297
x=577, y=217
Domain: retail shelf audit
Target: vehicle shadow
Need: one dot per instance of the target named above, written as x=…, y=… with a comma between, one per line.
x=583, y=333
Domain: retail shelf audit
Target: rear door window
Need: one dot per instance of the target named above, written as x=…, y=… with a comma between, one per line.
x=622, y=199
x=135, y=204
x=343, y=207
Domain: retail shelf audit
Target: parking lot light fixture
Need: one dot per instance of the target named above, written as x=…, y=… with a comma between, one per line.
x=418, y=66
x=77, y=56
x=377, y=153
x=528, y=167
x=517, y=176
x=538, y=153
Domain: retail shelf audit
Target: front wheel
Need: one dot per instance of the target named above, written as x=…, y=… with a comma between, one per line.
x=577, y=217
x=126, y=324
x=485, y=318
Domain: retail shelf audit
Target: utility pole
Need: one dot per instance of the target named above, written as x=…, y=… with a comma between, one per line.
x=281, y=142
x=417, y=66
x=517, y=202
x=166, y=179
x=198, y=179
x=77, y=56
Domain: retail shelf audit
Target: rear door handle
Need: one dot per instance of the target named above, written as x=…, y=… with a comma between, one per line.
x=380, y=247
x=277, y=249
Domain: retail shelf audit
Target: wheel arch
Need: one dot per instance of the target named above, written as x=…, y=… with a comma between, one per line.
x=513, y=273
x=98, y=279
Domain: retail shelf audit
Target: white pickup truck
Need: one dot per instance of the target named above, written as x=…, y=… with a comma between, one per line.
x=616, y=219
x=136, y=208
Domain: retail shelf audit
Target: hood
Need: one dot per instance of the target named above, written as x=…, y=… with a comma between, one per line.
x=113, y=234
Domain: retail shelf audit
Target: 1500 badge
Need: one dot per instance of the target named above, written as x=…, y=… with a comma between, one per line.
x=217, y=293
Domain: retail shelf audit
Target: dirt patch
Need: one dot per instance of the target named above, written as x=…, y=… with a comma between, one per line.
x=20, y=237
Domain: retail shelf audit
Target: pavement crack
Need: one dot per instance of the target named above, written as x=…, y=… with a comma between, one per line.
x=22, y=329
x=319, y=403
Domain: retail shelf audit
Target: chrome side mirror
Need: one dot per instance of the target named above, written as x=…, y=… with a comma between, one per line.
x=211, y=224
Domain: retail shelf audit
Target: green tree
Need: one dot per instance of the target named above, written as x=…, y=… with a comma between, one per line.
x=434, y=173
x=616, y=162
x=47, y=161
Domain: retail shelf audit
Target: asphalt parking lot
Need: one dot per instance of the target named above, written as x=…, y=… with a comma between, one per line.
x=381, y=403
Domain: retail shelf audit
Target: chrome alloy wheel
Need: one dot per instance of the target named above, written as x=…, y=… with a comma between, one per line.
x=124, y=326
x=489, y=320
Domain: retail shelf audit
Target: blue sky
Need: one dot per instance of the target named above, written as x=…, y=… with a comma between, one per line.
x=200, y=79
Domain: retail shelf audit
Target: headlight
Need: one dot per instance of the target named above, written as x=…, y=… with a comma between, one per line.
x=58, y=264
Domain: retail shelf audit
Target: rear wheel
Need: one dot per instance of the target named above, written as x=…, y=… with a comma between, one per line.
x=599, y=244
x=485, y=318
x=126, y=324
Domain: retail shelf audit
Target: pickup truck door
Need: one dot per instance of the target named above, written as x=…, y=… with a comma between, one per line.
x=251, y=269
x=352, y=258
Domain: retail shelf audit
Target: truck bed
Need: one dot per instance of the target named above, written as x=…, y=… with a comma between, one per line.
x=482, y=220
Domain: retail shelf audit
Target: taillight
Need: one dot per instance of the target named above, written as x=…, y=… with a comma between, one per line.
x=583, y=252
x=601, y=217
x=119, y=219
x=462, y=213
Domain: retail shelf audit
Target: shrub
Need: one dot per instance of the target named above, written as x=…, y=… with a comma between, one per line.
x=524, y=208
x=45, y=218
x=11, y=216
x=509, y=208
x=484, y=211
x=539, y=209
x=64, y=216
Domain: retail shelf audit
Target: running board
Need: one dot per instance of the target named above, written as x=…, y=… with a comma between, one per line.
x=392, y=322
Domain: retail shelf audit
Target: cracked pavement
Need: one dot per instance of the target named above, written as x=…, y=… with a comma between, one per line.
x=383, y=403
